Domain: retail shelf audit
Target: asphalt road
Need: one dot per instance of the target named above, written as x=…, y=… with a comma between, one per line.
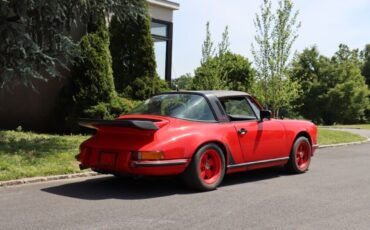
x=333, y=194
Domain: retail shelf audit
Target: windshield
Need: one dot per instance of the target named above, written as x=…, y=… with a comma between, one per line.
x=184, y=106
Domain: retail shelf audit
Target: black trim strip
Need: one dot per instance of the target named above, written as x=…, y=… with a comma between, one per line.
x=139, y=124
x=159, y=163
x=257, y=162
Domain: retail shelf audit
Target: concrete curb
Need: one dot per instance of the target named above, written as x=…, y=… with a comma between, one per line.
x=326, y=127
x=344, y=144
x=45, y=178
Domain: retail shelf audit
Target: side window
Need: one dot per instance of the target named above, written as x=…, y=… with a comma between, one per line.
x=238, y=109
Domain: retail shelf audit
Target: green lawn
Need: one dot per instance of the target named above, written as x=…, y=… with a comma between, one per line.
x=25, y=154
x=327, y=136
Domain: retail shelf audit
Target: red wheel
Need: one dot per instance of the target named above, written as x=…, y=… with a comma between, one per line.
x=207, y=168
x=300, y=156
x=210, y=166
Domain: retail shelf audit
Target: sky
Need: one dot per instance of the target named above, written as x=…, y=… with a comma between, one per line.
x=325, y=23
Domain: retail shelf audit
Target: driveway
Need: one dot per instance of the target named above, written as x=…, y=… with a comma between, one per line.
x=334, y=194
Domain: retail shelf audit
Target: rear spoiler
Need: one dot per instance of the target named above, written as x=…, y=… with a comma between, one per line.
x=138, y=124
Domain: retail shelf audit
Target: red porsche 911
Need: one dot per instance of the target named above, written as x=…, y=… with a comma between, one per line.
x=201, y=135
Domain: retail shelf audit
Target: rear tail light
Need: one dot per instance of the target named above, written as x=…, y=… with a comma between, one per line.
x=147, y=155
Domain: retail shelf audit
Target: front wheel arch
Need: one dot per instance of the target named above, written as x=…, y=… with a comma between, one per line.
x=301, y=134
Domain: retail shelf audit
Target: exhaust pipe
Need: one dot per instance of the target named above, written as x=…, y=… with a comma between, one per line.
x=82, y=167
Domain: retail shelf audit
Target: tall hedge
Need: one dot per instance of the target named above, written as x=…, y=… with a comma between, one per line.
x=91, y=82
x=92, y=77
x=131, y=46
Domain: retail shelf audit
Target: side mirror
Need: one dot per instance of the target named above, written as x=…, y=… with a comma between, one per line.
x=265, y=114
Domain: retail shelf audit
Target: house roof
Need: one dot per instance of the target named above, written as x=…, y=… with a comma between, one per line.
x=165, y=3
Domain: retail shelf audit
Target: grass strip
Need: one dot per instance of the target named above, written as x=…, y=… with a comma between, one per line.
x=26, y=154
x=329, y=136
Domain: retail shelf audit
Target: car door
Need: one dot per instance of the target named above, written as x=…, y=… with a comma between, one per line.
x=259, y=140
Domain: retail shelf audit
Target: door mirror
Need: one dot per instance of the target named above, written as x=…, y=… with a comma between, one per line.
x=265, y=114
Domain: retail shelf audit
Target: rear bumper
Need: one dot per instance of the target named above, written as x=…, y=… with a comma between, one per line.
x=147, y=168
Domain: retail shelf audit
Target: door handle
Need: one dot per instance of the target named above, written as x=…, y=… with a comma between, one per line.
x=242, y=131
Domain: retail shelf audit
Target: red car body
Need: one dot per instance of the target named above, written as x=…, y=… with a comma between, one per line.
x=156, y=145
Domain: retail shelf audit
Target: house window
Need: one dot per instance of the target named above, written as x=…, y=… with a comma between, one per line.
x=162, y=36
x=159, y=29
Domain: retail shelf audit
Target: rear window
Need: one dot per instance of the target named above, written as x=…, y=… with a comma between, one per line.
x=183, y=106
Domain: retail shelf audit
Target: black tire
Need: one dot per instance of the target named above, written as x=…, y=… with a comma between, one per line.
x=193, y=174
x=300, y=156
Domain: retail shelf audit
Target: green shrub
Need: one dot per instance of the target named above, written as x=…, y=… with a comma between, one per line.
x=184, y=82
x=116, y=107
x=229, y=71
x=143, y=88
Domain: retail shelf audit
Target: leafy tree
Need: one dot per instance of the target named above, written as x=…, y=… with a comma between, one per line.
x=33, y=35
x=133, y=57
x=208, y=76
x=311, y=69
x=333, y=90
x=184, y=82
x=213, y=74
x=229, y=71
x=366, y=73
x=276, y=33
x=238, y=72
x=345, y=54
x=366, y=66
